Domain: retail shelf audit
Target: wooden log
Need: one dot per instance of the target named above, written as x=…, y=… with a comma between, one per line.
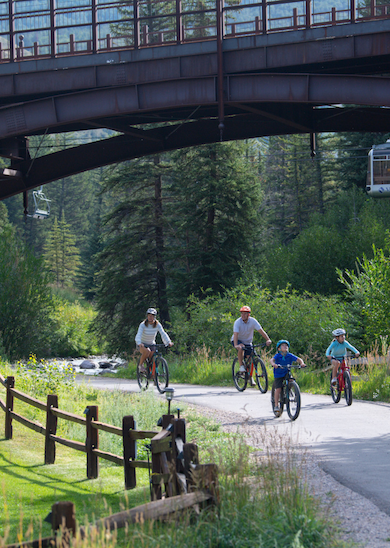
x=140, y=464
x=107, y=428
x=28, y=399
x=78, y=446
x=129, y=451
x=41, y=543
x=51, y=428
x=9, y=408
x=3, y=381
x=141, y=434
x=150, y=511
x=36, y=426
x=3, y=405
x=109, y=456
x=69, y=416
x=92, y=442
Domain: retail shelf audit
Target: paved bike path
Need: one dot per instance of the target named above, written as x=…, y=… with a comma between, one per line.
x=352, y=443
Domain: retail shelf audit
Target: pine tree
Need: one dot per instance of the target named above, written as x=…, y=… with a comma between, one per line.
x=60, y=254
x=132, y=275
x=213, y=217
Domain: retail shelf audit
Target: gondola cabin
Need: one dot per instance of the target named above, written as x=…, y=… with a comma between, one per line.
x=378, y=172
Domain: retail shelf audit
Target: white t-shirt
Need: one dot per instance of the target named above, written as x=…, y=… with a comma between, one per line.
x=245, y=329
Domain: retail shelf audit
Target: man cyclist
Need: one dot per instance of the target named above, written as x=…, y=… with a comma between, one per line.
x=243, y=329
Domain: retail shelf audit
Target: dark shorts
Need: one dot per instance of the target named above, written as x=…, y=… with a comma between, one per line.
x=278, y=382
x=248, y=348
x=151, y=347
x=338, y=359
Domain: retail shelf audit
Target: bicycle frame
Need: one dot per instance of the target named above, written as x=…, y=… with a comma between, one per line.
x=340, y=374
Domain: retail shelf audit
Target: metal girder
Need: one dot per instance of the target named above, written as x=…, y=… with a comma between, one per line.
x=125, y=147
x=152, y=99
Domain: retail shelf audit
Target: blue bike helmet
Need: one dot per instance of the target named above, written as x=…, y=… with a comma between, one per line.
x=281, y=342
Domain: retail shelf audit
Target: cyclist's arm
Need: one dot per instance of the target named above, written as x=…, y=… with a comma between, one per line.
x=301, y=362
x=328, y=352
x=235, y=340
x=350, y=347
x=265, y=336
x=138, y=336
x=165, y=337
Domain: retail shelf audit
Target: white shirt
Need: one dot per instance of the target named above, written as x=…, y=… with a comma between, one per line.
x=245, y=329
x=147, y=334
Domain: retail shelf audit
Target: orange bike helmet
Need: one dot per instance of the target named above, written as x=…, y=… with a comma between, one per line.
x=245, y=309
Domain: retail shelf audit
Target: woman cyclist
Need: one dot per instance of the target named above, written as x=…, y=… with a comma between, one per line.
x=146, y=335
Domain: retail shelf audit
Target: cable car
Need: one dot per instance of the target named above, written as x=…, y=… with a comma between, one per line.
x=378, y=172
x=41, y=205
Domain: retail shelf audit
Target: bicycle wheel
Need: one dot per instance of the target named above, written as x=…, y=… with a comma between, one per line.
x=293, y=400
x=335, y=392
x=281, y=402
x=162, y=374
x=261, y=375
x=240, y=378
x=347, y=388
x=142, y=376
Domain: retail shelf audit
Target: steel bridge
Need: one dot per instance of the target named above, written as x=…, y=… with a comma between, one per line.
x=167, y=74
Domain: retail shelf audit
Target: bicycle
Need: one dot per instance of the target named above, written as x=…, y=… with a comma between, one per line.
x=344, y=383
x=289, y=396
x=155, y=368
x=252, y=363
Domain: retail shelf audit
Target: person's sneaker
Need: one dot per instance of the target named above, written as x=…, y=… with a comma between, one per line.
x=277, y=410
x=142, y=369
x=334, y=382
x=251, y=382
x=242, y=369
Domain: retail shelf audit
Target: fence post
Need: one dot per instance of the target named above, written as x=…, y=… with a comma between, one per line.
x=92, y=442
x=10, y=407
x=353, y=11
x=191, y=459
x=63, y=517
x=166, y=421
x=129, y=451
x=51, y=428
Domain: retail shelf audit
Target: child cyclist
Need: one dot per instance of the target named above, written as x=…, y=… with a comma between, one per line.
x=279, y=362
x=337, y=350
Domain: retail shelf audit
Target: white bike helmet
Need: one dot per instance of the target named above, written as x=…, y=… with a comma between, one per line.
x=151, y=311
x=337, y=332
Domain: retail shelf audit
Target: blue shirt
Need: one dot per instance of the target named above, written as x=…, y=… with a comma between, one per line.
x=283, y=361
x=338, y=350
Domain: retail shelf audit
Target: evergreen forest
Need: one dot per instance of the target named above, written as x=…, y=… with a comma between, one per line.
x=197, y=233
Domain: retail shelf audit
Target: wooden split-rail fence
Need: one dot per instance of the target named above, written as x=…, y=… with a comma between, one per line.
x=174, y=466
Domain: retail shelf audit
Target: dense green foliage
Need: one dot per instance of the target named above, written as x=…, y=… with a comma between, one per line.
x=201, y=225
x=307, y=320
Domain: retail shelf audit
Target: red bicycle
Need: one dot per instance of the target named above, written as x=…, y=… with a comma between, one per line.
x=344, y=383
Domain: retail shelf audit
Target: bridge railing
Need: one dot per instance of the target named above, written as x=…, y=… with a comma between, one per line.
x=53, y=28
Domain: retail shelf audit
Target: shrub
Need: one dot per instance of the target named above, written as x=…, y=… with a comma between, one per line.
x=306, y=320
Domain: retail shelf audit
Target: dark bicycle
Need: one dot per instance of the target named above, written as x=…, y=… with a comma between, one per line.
x=155, y=368
x=344, y=383
x=253, y=365
x=289, y=396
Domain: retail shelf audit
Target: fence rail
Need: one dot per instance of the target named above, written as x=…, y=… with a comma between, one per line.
x=66, y=28
x=92, y=425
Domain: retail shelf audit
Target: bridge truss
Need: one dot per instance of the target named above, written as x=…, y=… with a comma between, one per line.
x=164, y=75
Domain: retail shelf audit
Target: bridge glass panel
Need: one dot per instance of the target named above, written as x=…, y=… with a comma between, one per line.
x=21, y=6
x=198, y=23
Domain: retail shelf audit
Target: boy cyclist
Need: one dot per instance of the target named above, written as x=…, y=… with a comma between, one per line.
x=279, y=362
x=337, y=350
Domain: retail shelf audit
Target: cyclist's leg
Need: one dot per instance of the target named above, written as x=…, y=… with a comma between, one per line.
x=336, y=365
x=278, y=389
x=240, y=355
x=145, y=353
